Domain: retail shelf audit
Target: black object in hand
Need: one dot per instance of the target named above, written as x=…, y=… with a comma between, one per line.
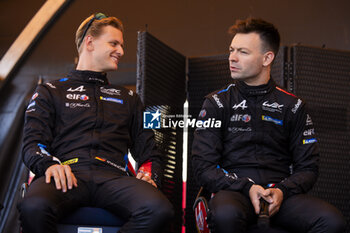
x=263, y=219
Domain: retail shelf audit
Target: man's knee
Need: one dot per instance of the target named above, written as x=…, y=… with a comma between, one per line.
x=163, y=208
x=331, y=221
x=226, y=214
x=158, y=208
x=35, y=207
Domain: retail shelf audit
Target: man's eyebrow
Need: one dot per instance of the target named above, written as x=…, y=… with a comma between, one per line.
x=243, y=48
x=239, y=49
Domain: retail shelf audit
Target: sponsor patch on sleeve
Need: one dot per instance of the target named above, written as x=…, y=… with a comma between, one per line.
x=35, y=95
x=71, y=161
x=309, y=141
x=202, y=113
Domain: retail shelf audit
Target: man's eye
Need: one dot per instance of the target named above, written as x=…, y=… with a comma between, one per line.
x=244, y=52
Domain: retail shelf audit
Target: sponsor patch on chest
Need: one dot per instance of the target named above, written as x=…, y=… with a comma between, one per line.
x=109, y=91
x=273, y=120
x=115, y=100
x=77, y=97
x=272, y=107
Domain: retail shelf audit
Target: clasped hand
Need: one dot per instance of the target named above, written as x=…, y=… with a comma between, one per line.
x=273, y=196
x=146, y=177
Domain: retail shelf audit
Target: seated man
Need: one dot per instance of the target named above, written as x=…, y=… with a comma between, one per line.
x=77, y=134
x=266, y=147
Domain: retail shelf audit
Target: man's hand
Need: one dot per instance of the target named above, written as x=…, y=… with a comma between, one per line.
x=63, y=176
x=277, y=197
x=146, y=177
x=255, y=193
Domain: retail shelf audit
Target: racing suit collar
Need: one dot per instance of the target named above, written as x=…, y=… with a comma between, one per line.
x=256, y=90
x=89, y=76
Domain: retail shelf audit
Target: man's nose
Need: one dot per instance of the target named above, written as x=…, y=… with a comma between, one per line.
x=120, y=50
x=233, y=56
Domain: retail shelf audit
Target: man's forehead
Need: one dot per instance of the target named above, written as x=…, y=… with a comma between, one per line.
x=112, y=32
x=241, y=40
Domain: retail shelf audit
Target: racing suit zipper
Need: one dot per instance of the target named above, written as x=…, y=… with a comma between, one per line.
x=255, y=124
x=98, y=124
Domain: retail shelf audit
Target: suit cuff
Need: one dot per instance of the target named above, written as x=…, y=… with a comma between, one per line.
x=246, y=188
x=284, y=190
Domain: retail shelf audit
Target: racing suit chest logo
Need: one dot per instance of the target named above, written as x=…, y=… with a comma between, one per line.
x=109, y=91
x=241, y=105
x=308, y=120
x=79, y=89
x=274, y=107
x=241, y=117
x=77, y=97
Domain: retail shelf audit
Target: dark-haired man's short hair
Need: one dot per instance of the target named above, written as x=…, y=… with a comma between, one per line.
x=267, y=31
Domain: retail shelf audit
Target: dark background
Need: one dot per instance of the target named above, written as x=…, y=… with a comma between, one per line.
x=192, y=27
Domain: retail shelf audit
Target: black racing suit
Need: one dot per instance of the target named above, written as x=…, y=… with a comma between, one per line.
x=266, y=137
x=83, y=121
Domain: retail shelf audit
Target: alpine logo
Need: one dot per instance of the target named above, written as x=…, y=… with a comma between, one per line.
x=274, y=107
x=241, y=105
x=309, y=120
x=77, y=97
x=240, y=117
x=80, y=89
x=110, y=91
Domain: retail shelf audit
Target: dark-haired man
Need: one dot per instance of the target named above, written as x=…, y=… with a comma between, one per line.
x=77, y=134
x=266, y=147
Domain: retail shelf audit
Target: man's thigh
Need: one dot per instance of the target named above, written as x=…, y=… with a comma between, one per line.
x=125, y=195
x=61, y=202
x=230, y=212
x=301, y=213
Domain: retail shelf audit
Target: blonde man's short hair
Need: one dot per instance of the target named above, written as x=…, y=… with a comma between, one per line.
x=95, y=27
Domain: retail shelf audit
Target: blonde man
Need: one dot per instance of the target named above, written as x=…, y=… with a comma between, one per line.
x=77, y=135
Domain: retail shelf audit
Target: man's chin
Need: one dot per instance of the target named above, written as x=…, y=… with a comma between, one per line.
x=235, y=77
x=112, y=68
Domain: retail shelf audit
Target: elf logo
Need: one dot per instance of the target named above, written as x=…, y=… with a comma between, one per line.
x=240, y=117
x=80, y=89
x=77, y=97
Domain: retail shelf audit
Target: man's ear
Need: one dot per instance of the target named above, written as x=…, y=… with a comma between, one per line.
x=89, y=45
x=268, y=58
